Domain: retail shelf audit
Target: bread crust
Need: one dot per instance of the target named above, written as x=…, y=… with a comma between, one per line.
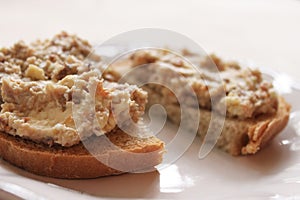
x=238, y=136
x=246, y=137
x=76, y=162
x=265, y=129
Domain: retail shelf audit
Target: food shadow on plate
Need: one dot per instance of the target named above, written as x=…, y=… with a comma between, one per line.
x=275, y=157
x=129, y=185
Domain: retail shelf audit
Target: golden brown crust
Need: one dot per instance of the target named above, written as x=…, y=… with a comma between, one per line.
x=244, y=137
x=76, y=162
x=261, y=133
x=238, y=136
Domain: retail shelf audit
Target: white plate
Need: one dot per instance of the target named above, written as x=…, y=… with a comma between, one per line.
x=274, y=173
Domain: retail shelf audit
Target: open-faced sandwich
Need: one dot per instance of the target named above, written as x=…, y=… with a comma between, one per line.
x=41, y=85
x=254, y=113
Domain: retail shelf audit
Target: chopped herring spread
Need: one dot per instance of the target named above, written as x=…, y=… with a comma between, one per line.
x=43, y=110
x=247, y=95
x=44, y=83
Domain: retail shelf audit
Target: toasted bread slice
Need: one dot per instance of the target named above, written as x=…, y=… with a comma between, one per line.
x=238, y=136
x=255, y=114
x=38, y=99
x=76, y=161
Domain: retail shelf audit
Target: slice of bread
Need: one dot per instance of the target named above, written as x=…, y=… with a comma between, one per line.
x=255, y=114
x=38, y=99
x=238, y=136
x=76, y=161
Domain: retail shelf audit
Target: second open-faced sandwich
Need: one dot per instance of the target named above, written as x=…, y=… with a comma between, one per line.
x=252, y=112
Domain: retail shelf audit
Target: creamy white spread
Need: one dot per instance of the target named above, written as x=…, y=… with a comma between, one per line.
x=48, y=83
x=43, y=110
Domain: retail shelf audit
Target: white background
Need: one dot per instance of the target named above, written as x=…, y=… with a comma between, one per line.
x=265, y=32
